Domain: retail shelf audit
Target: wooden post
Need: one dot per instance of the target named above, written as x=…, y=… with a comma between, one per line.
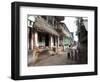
x=58, y=42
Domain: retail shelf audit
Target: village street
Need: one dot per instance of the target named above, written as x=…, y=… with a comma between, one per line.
x=46, y=60
x=52, y=42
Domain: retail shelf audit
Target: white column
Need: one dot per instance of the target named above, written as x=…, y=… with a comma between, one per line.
x=28, y=38
x=36, y=39
x=51, y=41
x=63, y=43
x=57, y=45
x=32, y=42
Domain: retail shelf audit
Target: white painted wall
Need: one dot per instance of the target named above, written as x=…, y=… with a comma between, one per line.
x=5, y=40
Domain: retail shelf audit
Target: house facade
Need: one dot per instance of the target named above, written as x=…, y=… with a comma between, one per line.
x=82, y=33
x=47, y=33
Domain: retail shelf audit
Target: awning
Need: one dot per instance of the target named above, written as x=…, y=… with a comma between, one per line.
x=41, y=24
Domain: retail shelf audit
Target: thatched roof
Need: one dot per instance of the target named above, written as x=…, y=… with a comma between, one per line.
x=42, y=25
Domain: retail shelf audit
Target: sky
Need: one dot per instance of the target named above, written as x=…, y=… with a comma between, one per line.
x=71, y=25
